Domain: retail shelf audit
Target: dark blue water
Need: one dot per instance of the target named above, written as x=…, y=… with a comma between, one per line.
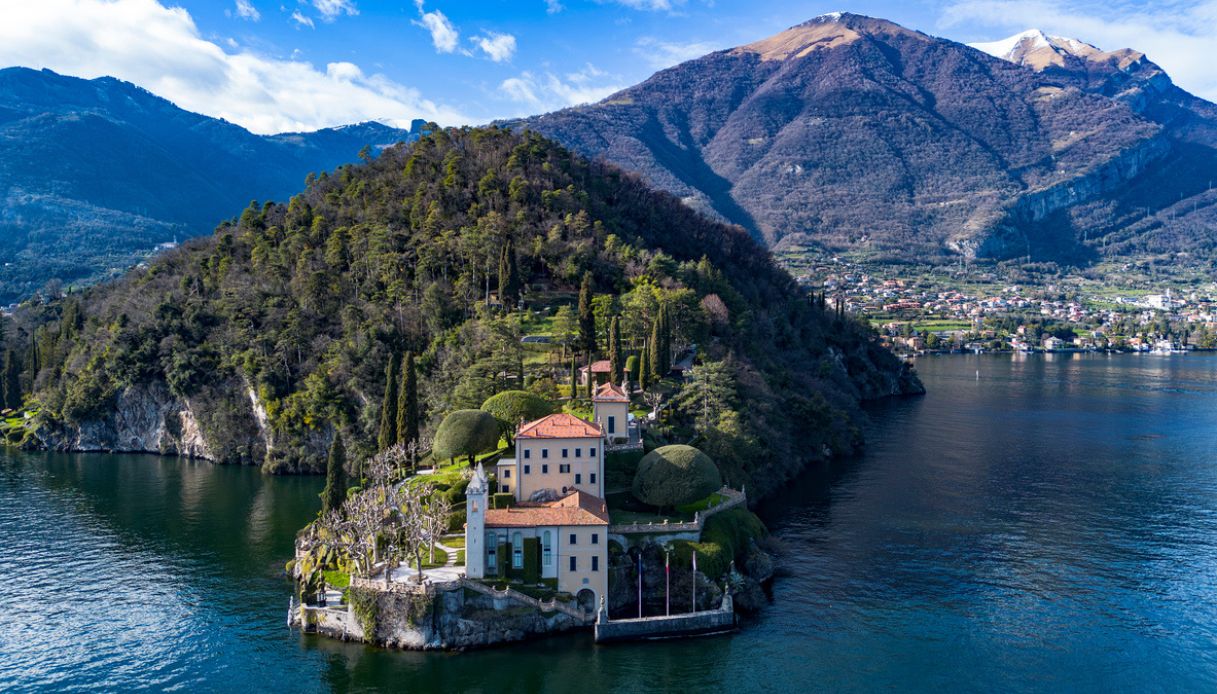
x=1049, y=526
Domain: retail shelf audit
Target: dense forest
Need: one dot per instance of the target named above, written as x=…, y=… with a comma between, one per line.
x=278, y=330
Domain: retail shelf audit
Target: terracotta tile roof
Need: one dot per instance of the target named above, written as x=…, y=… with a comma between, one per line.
x=610, y=392
x=560, y=426
x=601, y=367
x=577, y=508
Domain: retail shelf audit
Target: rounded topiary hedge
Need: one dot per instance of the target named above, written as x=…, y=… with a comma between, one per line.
x=465, y=433
x=675, y=475
x=512, y=406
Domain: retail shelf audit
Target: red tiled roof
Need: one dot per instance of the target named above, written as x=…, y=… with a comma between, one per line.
x=610, y=392
x=577, y=508
x=560, y=426
x=601, y=367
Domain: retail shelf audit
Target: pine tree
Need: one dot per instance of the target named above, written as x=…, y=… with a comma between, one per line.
x=335, y=491
x=388, y=407
x=614, y=347
x=407, y=402
x=587, y=320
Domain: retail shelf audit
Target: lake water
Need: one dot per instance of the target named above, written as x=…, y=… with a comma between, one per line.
x=1048, y=525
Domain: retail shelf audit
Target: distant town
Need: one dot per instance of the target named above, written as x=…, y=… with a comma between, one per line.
x=917, y=311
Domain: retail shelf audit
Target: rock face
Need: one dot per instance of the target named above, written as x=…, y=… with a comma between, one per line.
x=858, y=134
x=450, y=620
x=149, y=418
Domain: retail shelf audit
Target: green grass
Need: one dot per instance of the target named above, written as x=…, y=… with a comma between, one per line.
x=620, y=516
x=460, y=558
x=454, y=541
x=441, y=558
x=337, y=579
x=701, y=505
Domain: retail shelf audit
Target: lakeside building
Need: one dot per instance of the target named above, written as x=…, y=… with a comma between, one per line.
x=556, y=529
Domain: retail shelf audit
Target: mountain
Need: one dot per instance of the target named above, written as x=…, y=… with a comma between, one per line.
x=95, y=173
x=858, y=134
x=256, y=344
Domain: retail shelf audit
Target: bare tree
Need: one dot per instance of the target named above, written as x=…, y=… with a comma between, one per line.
x=435, y=511
x=410, y=522
x=653, y=399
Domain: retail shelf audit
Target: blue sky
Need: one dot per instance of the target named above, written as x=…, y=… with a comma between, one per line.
x=274, y=65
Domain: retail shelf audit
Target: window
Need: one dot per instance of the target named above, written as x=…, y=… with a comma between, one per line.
x=517, y=551
x=595, y=563
x=544, y=469
x=593, y=478
x=492, y=546
x=612, y=428
x=573, y=564
x=565, y=452
x=563, y=467
x=595, y=538
x=578, y=452
x=507, y=473
x=547, y=547
x=505, y=488
x=527, y=469
x=573, y=538
x=544, y=452
x=527, y=453
x=578, y=478
x=591, y=452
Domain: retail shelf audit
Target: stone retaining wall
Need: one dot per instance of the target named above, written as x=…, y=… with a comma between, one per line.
x=689, y=624
x=733, y=498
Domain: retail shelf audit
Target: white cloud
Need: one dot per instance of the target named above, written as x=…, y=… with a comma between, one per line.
x=246, y=10
x=497, y=47
x=652, y=5
x=332, y=9
x=553, y=6
x=549, y=92
x=660, y=54
x=161, y=49
x=300, y=19
x=1180, y=36
x=444, y=35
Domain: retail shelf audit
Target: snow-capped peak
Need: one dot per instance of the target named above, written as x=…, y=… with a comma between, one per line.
x=829, y=17
x=1037, y=49
x=1029, y=40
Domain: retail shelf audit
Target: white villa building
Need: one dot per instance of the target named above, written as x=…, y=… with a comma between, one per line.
x=556, y=530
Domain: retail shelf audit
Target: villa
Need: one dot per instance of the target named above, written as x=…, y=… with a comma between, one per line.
x=556, y=529
x=562, y=542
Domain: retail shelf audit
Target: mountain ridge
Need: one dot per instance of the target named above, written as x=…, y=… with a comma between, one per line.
x=858, y=134
x=95, y=173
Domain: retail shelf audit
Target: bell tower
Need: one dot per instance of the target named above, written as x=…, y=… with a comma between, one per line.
x=475, y=524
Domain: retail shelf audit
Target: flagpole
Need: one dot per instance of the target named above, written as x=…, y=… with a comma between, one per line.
x=640, y=585
x=667, y=583
x=694, y=580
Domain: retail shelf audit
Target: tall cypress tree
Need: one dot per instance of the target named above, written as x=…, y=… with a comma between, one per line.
x=407, y=402
x=10, y=381
x=587, y=320
x=654, y=348
x=574, y=378
x=644, y=368
x=509, y=276
x=388, y=407
x=614, y=347
x=335, y=491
